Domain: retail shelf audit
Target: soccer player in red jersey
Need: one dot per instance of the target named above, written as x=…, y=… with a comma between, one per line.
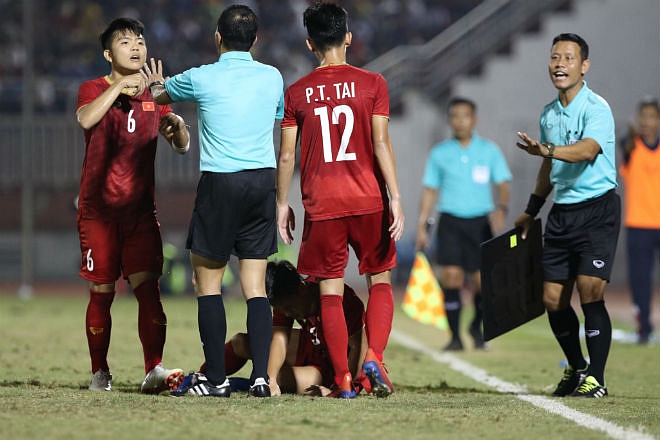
x=341, y=115
x=298, y=361
x=117, y=224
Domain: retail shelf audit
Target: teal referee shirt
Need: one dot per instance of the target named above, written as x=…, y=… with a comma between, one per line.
x=587, y=116
x=464, y=176
x=238, y=101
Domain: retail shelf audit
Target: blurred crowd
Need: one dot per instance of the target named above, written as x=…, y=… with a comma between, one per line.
x=180, y=32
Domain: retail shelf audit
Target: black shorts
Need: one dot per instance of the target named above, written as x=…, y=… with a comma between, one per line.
x=458, y=241
x=580, y=238
x=234, y=214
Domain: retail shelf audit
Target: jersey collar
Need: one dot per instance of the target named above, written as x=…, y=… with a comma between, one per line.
x=236, y=55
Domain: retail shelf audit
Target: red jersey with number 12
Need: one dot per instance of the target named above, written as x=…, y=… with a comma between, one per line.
x=117, y=181
x=332, y=108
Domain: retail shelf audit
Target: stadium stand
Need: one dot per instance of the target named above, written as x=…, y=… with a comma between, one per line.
x=66, y=32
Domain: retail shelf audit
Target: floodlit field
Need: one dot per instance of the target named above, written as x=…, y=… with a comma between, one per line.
x=45, y=371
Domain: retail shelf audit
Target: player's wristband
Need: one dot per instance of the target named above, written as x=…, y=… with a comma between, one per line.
x=155, y=83
x=534, y=204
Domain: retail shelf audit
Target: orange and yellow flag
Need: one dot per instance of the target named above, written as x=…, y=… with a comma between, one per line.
x=424, y=300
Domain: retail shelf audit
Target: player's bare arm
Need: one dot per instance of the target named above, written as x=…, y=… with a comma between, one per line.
x=174, y=130
x=90, y=114
x=385, y=157
x=286, y=161
x=152, y=73
x=584, y=149
x=277, y=357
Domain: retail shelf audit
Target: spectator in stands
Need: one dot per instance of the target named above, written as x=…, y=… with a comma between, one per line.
x=378, y=27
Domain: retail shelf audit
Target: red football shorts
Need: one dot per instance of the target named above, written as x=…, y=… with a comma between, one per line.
x=111, y=248
x=324, y=246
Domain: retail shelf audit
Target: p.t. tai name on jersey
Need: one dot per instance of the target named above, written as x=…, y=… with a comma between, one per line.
x=339, y=90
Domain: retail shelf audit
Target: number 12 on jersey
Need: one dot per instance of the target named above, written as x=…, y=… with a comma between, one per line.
x=322, y=113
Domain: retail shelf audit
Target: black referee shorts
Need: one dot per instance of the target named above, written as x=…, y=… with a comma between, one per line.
x=458, y=241
x=580, y=238
x=234, y=214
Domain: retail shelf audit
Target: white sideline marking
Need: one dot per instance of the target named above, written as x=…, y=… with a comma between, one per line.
x=519, y=391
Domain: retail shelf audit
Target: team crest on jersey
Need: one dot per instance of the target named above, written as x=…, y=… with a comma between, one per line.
x=148, y=106
x=96, y=330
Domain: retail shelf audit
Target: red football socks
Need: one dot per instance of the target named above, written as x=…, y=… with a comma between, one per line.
x=98, y=324
x=152, y=323
x=335, y=333
x=380, y=310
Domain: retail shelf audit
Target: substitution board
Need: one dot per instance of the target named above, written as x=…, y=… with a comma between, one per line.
x=511, y=280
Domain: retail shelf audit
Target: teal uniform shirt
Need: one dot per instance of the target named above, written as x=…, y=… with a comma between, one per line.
x=238, y=101
x=587, y=116
x=464, y=176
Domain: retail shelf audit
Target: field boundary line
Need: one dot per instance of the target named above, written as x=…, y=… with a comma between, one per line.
x=546, y=403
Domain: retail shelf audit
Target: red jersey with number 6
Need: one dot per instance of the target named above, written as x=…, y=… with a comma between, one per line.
x=117, y=181
x=332, y=108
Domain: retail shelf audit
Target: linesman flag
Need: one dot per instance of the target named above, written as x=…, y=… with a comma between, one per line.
x=424, y=300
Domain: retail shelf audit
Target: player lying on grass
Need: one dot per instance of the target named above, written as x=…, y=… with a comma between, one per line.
x=299, y=361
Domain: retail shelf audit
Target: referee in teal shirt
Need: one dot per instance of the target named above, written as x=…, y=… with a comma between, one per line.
x=582, y=228
x=238, y=100
x=463, y=170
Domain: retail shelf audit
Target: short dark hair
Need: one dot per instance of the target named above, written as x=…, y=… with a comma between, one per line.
x=120, y=25
x=460, y=100
x=649, y=101
x=282, y=281
x=238, y=26
x=327, y=25
x=575, y=38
